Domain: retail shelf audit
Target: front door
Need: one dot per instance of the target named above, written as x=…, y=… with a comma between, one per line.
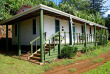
x=57, y=27
x=73, y=29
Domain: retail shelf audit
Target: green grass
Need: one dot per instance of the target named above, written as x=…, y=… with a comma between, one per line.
x=9, y=65
x=98, y=60
x=103, y=69
x=72, y=70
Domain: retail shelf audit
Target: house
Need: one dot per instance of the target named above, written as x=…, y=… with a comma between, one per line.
x=49, y=28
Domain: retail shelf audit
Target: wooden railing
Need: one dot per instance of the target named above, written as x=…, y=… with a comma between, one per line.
x=35, y=40
x=79, y=38
x=49, y=39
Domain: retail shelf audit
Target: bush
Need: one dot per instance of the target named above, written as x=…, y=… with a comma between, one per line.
x=103, y=41
x=86, y=49
x=68, y=52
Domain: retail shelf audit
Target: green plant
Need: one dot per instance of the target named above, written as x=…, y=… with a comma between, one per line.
x=103, y=69
x=72, y=69
x=87, y=49
x=103, y=41
x=98, y=60
x=68, y=52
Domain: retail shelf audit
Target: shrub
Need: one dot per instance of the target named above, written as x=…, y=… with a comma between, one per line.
x=103, y=42
x=68, y=52
x=86, y=49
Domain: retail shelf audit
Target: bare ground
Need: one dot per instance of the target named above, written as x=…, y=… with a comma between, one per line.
x=80, y=66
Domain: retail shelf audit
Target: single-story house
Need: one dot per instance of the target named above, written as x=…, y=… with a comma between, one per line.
x=42, y=26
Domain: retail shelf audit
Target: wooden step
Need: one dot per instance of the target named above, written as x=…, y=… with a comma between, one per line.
x=45, y=51
x=34, y=61
x=35, y=58
x=38, y=55
x=48, y=46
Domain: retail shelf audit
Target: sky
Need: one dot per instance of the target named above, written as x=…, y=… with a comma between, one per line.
x=108, y=12
x=106, y=4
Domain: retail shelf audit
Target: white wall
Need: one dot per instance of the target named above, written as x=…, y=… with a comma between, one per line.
x=49, y=27
x=26, y=32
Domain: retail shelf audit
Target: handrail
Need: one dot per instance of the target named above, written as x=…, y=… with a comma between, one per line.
x=34, y=40
x=32, y=44
x=51, y=37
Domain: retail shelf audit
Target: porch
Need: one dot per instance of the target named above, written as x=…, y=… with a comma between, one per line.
x=52, y=44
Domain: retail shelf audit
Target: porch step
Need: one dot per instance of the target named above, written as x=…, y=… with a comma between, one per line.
x=48, y=46
x=45, y=51
x=34, y=61
x=35, y=58
x=38, y=55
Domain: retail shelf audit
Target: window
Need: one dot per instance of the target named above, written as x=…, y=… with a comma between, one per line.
x=16, y=29
x=82, y=29
x=90, y=31
x=57, y=27
x=34, y=26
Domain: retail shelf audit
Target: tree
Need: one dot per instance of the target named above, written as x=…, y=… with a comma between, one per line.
x=97, y=6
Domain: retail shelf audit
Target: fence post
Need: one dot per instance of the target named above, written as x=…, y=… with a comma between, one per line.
x=74, y=37
x=19, y=38
x=95, y=34
x=41, y=35
x=106, y=35
x=59, y=47
x=101, y=35
x=65, y=37
x=85, y=33
x=49, y=47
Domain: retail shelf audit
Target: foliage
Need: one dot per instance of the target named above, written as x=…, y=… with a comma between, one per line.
x=98, y=60
x=87, y=49
x=72, y=69
x=79, y=8
x=103, y=41
x=68, y=52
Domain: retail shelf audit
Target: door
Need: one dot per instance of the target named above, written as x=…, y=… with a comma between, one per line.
x=57, y=27
x=73, y=29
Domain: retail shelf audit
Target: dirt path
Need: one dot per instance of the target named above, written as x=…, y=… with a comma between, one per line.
x=80, y=66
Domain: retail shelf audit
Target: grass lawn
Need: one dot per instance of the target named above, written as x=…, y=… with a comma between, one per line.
x=103, y=69
x=9, y=65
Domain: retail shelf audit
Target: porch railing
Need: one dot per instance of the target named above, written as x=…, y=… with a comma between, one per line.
x=79, y=38
x=35, y=40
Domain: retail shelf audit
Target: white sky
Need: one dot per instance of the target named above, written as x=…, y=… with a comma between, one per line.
x=107, y=4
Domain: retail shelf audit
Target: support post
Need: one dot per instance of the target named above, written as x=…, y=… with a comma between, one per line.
x=59, y=47
x=70, y=31
x=41, y=35
x=19, y=39
x=106, y=35
x=95, y=34
x=6, y=37
x=85, y=34
x=101, y=34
